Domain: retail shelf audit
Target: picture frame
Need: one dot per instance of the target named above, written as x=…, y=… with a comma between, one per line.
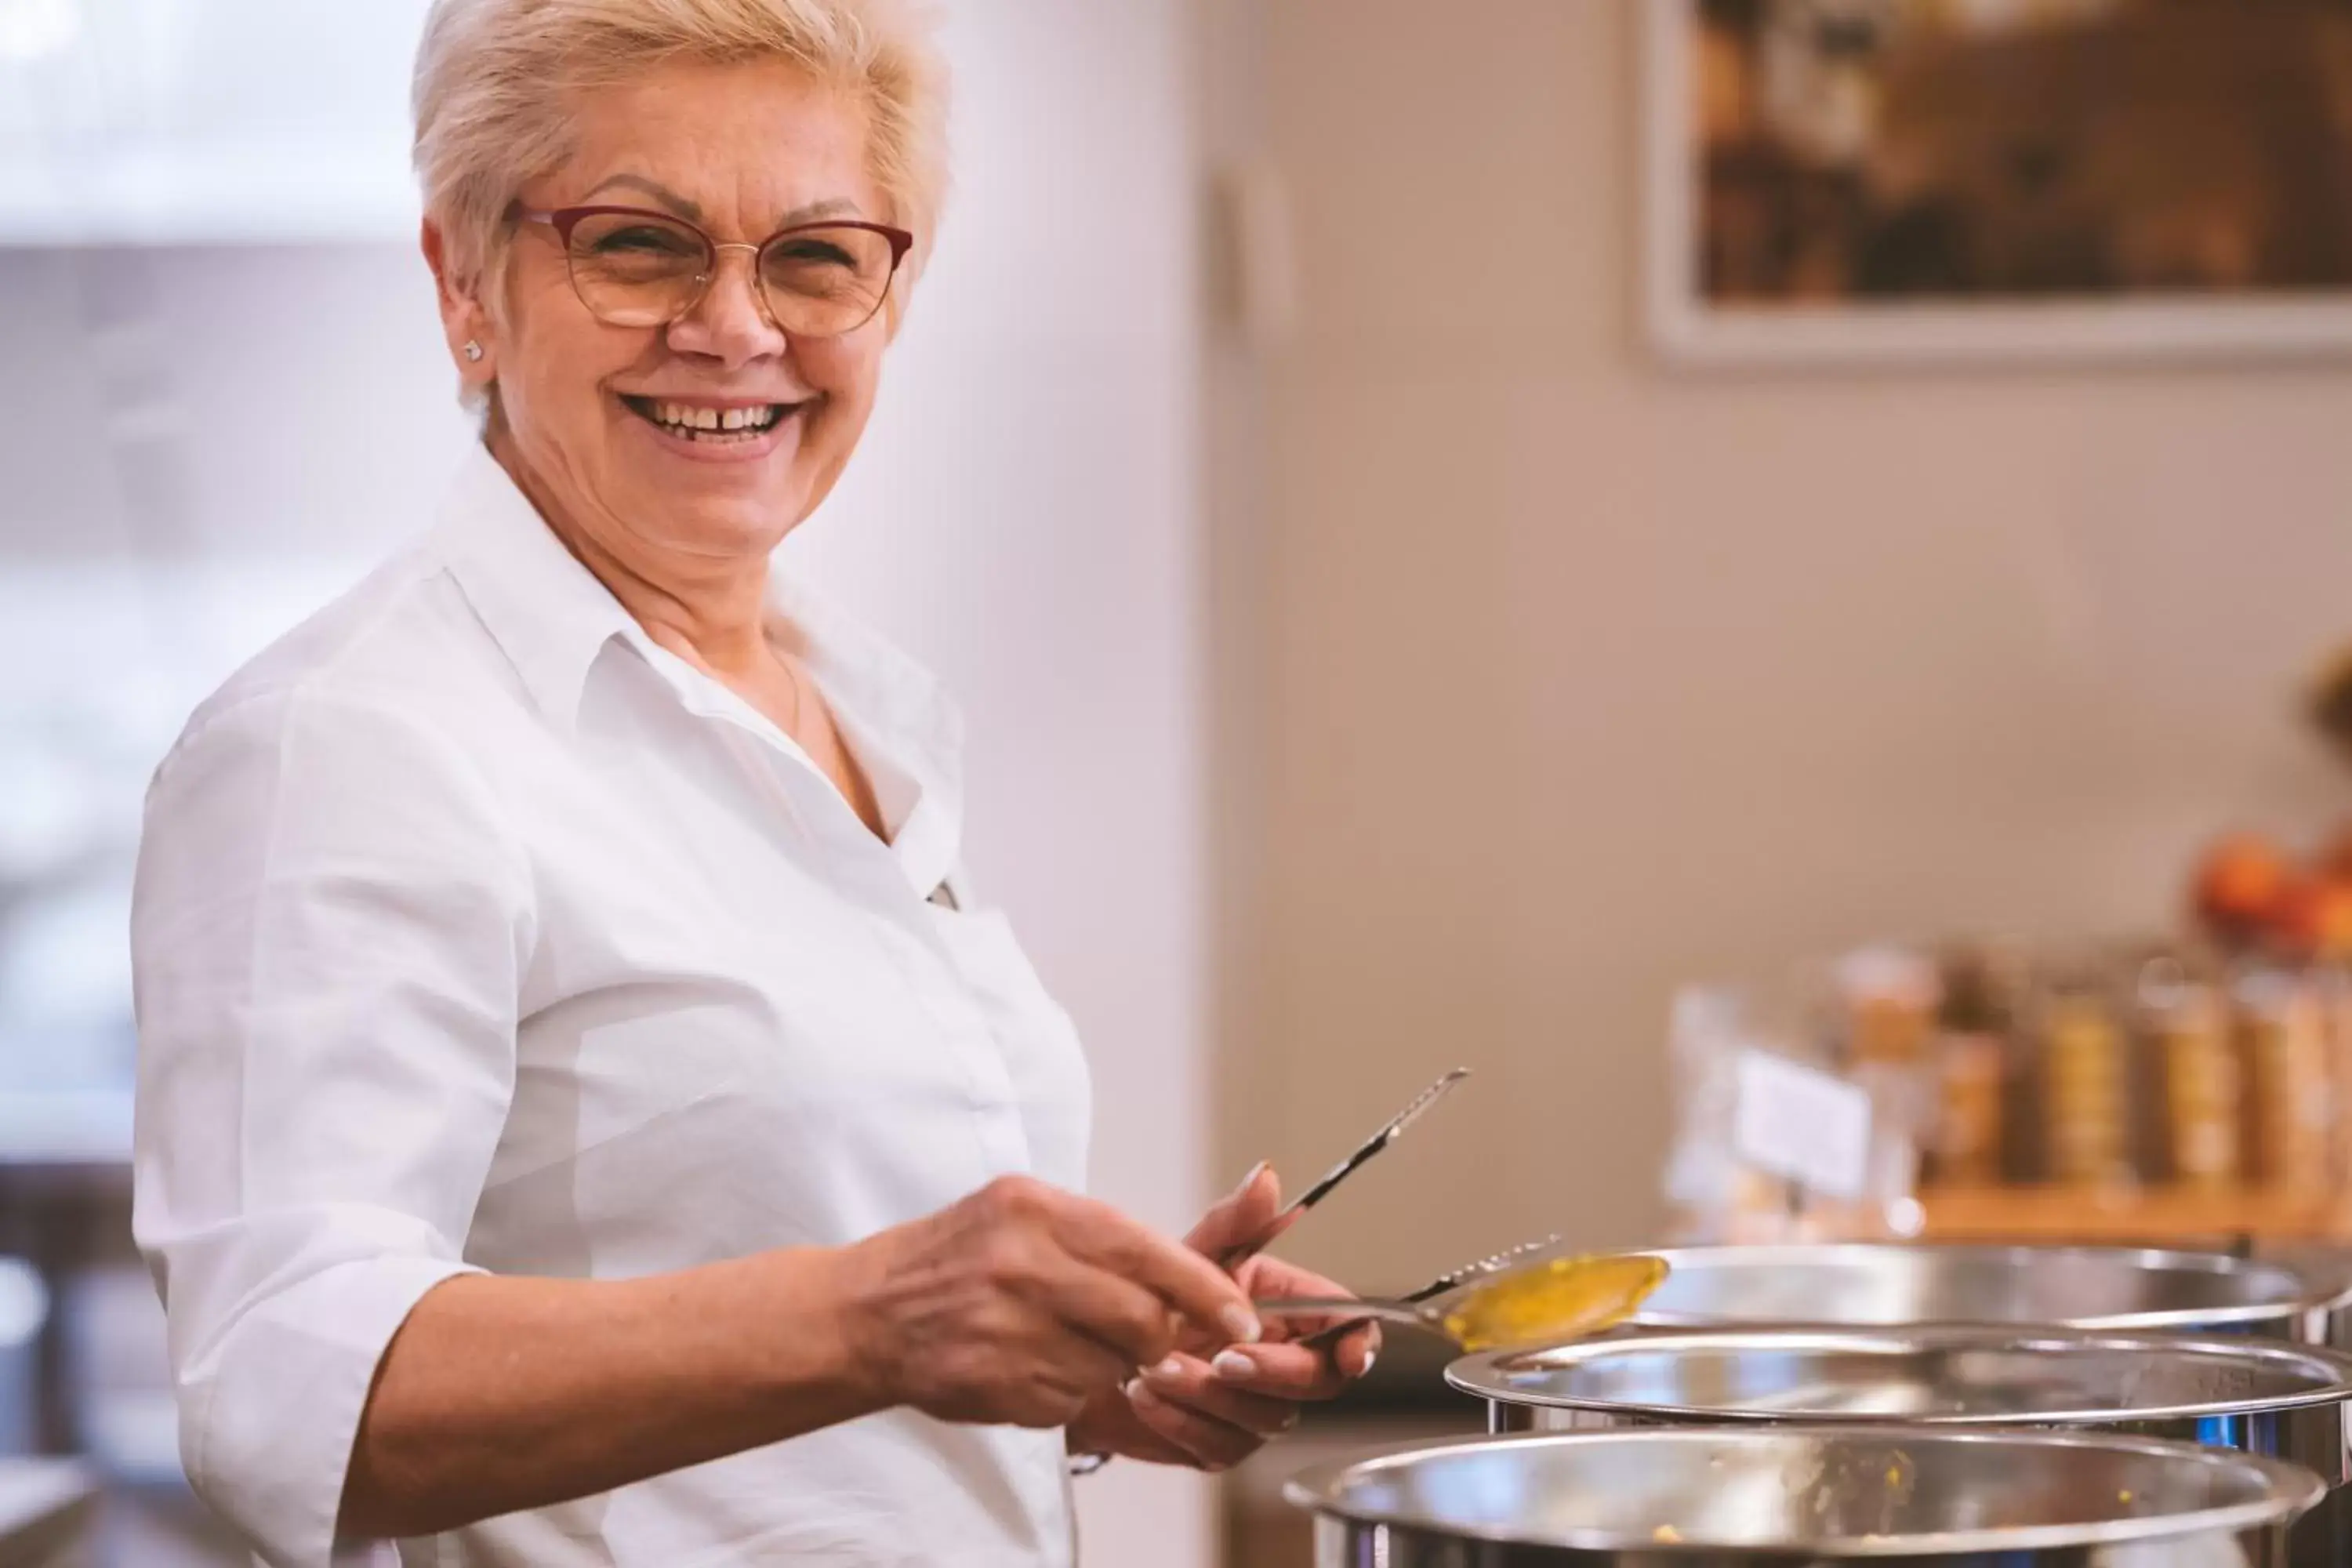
x=1690, y=325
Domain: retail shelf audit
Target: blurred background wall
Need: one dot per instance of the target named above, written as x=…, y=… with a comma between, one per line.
x=203, y=441
x=1551, y=677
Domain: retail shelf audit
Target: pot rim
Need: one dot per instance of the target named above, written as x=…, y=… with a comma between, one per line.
x=2293, y=1491
x=1485, y=1375
x=2303, y=1297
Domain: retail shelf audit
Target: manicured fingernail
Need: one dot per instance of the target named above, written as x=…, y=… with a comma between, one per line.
x=1232, y=1366
x=1139, y=1393
x=1171, y=1369
x=1240, y=1323
x=1369, y=1357
x=1251, y=1180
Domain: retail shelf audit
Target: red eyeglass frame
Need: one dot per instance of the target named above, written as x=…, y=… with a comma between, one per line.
x=563, y=220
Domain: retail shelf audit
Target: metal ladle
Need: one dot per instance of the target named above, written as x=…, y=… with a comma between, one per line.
x=1549, y=1301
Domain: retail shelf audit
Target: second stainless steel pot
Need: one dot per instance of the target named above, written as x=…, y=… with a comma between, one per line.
x=2243, y=1395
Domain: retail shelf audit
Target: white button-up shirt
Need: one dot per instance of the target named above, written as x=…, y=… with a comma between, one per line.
x=477, y=931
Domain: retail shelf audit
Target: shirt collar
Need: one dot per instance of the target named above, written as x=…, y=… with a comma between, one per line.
x=548, y=614
x=553, y=619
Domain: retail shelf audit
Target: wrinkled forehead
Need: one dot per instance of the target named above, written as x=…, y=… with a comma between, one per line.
x=738, y=150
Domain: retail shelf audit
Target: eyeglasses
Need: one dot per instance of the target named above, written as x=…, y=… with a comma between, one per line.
x=637, y=268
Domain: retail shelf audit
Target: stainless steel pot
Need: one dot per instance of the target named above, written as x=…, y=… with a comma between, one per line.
x=1771, y=1497
x=2289, y=1401
x=2327, y=1271
x=2249, y=1395
x=2087, y=1288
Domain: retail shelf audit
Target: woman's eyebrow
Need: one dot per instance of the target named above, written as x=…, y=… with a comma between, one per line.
x=656, y=189
x=834, y=207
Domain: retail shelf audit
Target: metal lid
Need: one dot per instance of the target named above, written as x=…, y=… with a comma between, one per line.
x=1823, y=1491
x=1861, y=1283
x=1944, y=1375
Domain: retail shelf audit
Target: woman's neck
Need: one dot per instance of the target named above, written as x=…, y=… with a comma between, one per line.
x=712, y=613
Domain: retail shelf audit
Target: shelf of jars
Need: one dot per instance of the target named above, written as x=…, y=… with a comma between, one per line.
x=2192, y=1089
x=2195, y=1088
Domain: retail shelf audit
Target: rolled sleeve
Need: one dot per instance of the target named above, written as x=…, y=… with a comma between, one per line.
x=328, y=934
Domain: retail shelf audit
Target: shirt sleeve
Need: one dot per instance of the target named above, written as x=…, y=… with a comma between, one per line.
x=328, y=931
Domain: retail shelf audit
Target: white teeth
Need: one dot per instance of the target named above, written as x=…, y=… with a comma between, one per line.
x=687, y=416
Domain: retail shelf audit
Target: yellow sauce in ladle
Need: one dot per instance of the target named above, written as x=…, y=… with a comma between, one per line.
x=1552, y=1302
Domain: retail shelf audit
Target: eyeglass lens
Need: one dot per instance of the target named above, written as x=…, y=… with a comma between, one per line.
x=639, y=270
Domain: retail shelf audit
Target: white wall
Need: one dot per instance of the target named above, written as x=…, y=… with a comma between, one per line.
x=1022, y=517
x=219, y=399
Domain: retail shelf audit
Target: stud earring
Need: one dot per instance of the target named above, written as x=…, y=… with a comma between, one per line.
x=473, y=351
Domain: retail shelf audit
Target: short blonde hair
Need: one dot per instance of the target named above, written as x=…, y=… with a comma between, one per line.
x=495, y=78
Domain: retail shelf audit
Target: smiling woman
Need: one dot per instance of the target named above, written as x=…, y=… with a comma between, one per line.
x=606, y=310
x=584, y=1115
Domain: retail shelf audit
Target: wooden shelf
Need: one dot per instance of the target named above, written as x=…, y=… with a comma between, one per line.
x=2153, y=1215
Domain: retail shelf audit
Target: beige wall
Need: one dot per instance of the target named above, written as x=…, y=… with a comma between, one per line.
x=1550, y=677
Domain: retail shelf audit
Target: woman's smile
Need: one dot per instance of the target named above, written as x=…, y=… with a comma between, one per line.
x=718, y=430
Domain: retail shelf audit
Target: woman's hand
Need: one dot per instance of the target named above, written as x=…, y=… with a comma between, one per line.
x=1210, y=1406
x=1022, y=1303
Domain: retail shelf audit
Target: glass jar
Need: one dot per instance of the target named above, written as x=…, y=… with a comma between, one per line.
x=2290, y=1100
x=2198, y=1087
x=2086, y=1090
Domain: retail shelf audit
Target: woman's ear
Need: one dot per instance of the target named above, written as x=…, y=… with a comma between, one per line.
x=464, y=323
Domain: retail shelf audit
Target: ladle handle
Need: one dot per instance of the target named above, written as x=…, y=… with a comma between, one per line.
x=1357, y=1309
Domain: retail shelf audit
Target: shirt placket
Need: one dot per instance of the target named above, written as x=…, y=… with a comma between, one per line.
x=863, y=867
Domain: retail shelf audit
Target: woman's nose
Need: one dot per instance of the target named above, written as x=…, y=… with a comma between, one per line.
x=731, y=321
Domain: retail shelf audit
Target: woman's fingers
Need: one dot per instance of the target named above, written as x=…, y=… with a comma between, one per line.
x=1319, y=1375
x=1136, y=1440
x=1244, y=1217
x=1214, y=1444
x=1109, y=1425
x=1132, y=1324
x=1276, y=1279
x=1188, y=1381
x=1021, y=1302
x=1100, y=1235
x=1032, y=1305
x=1293, y=1373
x=1356, y=1350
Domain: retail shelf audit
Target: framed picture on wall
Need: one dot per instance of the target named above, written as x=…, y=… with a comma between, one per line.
x=1907, y=180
